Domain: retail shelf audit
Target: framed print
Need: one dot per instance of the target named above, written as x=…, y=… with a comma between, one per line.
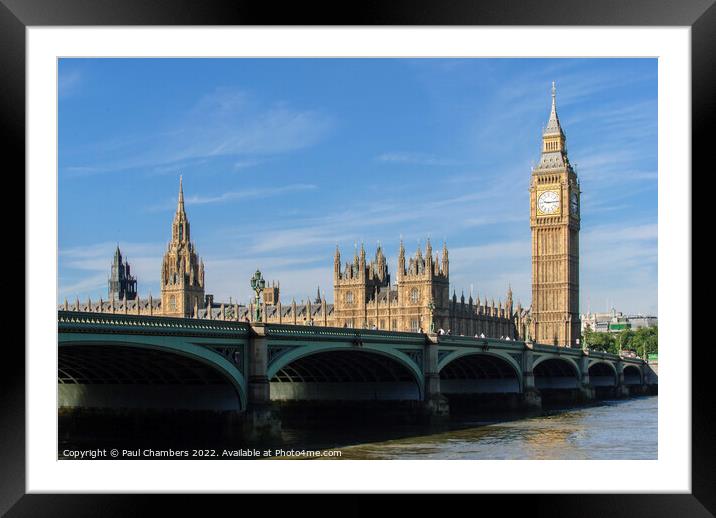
x=438, y=238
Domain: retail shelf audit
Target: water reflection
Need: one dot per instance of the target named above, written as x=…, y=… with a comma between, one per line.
x=625, y=429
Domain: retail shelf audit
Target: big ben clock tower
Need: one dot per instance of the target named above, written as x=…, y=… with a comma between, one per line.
x=554, y=220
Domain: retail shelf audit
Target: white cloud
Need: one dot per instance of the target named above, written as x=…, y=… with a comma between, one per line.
x=233, y=196
x=223, y=123
x=619, y=264
x=414, y=158
x=87, y=284
x=248, y=193
x=87, y=268
x=67, y=82
x=230, y=278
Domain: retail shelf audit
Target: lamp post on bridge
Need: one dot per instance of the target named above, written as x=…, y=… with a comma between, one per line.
x=431, y=308
x=258, y=283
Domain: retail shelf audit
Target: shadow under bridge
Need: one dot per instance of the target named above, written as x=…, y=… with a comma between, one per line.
x=344, y=375
x=479, y=373
x=137, y=376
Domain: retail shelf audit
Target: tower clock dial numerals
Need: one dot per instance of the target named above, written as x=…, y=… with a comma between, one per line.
x=574, y=203
x=548, y=202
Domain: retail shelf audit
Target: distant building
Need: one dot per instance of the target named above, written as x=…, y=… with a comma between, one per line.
x=615, y=321
x=639, y=321
x=121, y=283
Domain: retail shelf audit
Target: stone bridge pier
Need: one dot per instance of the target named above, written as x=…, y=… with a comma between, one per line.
x=436, y=404
x=261, y=418
x=530, y=395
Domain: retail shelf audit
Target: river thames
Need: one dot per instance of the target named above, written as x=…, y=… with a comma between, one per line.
x=607, y=429
x=611, y=429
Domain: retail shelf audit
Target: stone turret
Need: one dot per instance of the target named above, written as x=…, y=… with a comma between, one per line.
x=357, y=285
x=182, y=272
x=121, y=281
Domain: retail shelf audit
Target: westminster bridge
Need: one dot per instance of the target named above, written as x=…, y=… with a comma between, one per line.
x=130, y=361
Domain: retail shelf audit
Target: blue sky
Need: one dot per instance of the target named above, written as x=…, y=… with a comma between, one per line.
x=282, y=159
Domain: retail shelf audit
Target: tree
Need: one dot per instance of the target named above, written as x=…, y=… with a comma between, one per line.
x=643, y=341
x=646, y=341
x=625, y=339
x=600, y=341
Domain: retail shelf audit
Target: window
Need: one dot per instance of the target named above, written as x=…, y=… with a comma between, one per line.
x=414, y=296
x=382, y=324
x=414, y=326
x=394, y=325
x=349, y=297
x=172, y=303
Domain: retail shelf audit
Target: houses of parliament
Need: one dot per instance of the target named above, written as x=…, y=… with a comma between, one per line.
x=364, y=295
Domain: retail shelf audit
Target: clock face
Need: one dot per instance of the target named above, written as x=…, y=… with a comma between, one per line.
x=574, y=203
x=548, y=202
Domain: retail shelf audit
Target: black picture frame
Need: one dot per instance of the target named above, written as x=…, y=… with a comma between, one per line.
x=699, y=15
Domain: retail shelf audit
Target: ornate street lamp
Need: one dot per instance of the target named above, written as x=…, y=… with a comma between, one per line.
x=258, y=283
x=431, y=308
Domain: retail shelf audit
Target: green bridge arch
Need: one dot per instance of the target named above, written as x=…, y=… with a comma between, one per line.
x=544, y=357
x=164, y=345
x=298, y=352
x=505, y=357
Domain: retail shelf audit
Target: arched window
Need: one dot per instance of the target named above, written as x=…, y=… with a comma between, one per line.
x=414, y=296
x=172, y=303
x=349, y=297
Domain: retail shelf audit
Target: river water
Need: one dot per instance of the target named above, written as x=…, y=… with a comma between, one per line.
x=608, y=429
x=611, y=429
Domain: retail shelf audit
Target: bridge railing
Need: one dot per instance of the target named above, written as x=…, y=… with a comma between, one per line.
x=341, y=333
x=603, y=355
x=69, y=320
x=469, y=341
x=548, y=348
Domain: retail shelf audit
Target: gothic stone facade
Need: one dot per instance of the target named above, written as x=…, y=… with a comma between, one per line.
x=365, y=297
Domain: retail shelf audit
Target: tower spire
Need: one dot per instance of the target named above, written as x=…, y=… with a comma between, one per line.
x=180, y=202
x=553, y=126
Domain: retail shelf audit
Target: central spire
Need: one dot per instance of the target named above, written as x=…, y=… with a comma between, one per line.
x=180, y=202
x=180, y=227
